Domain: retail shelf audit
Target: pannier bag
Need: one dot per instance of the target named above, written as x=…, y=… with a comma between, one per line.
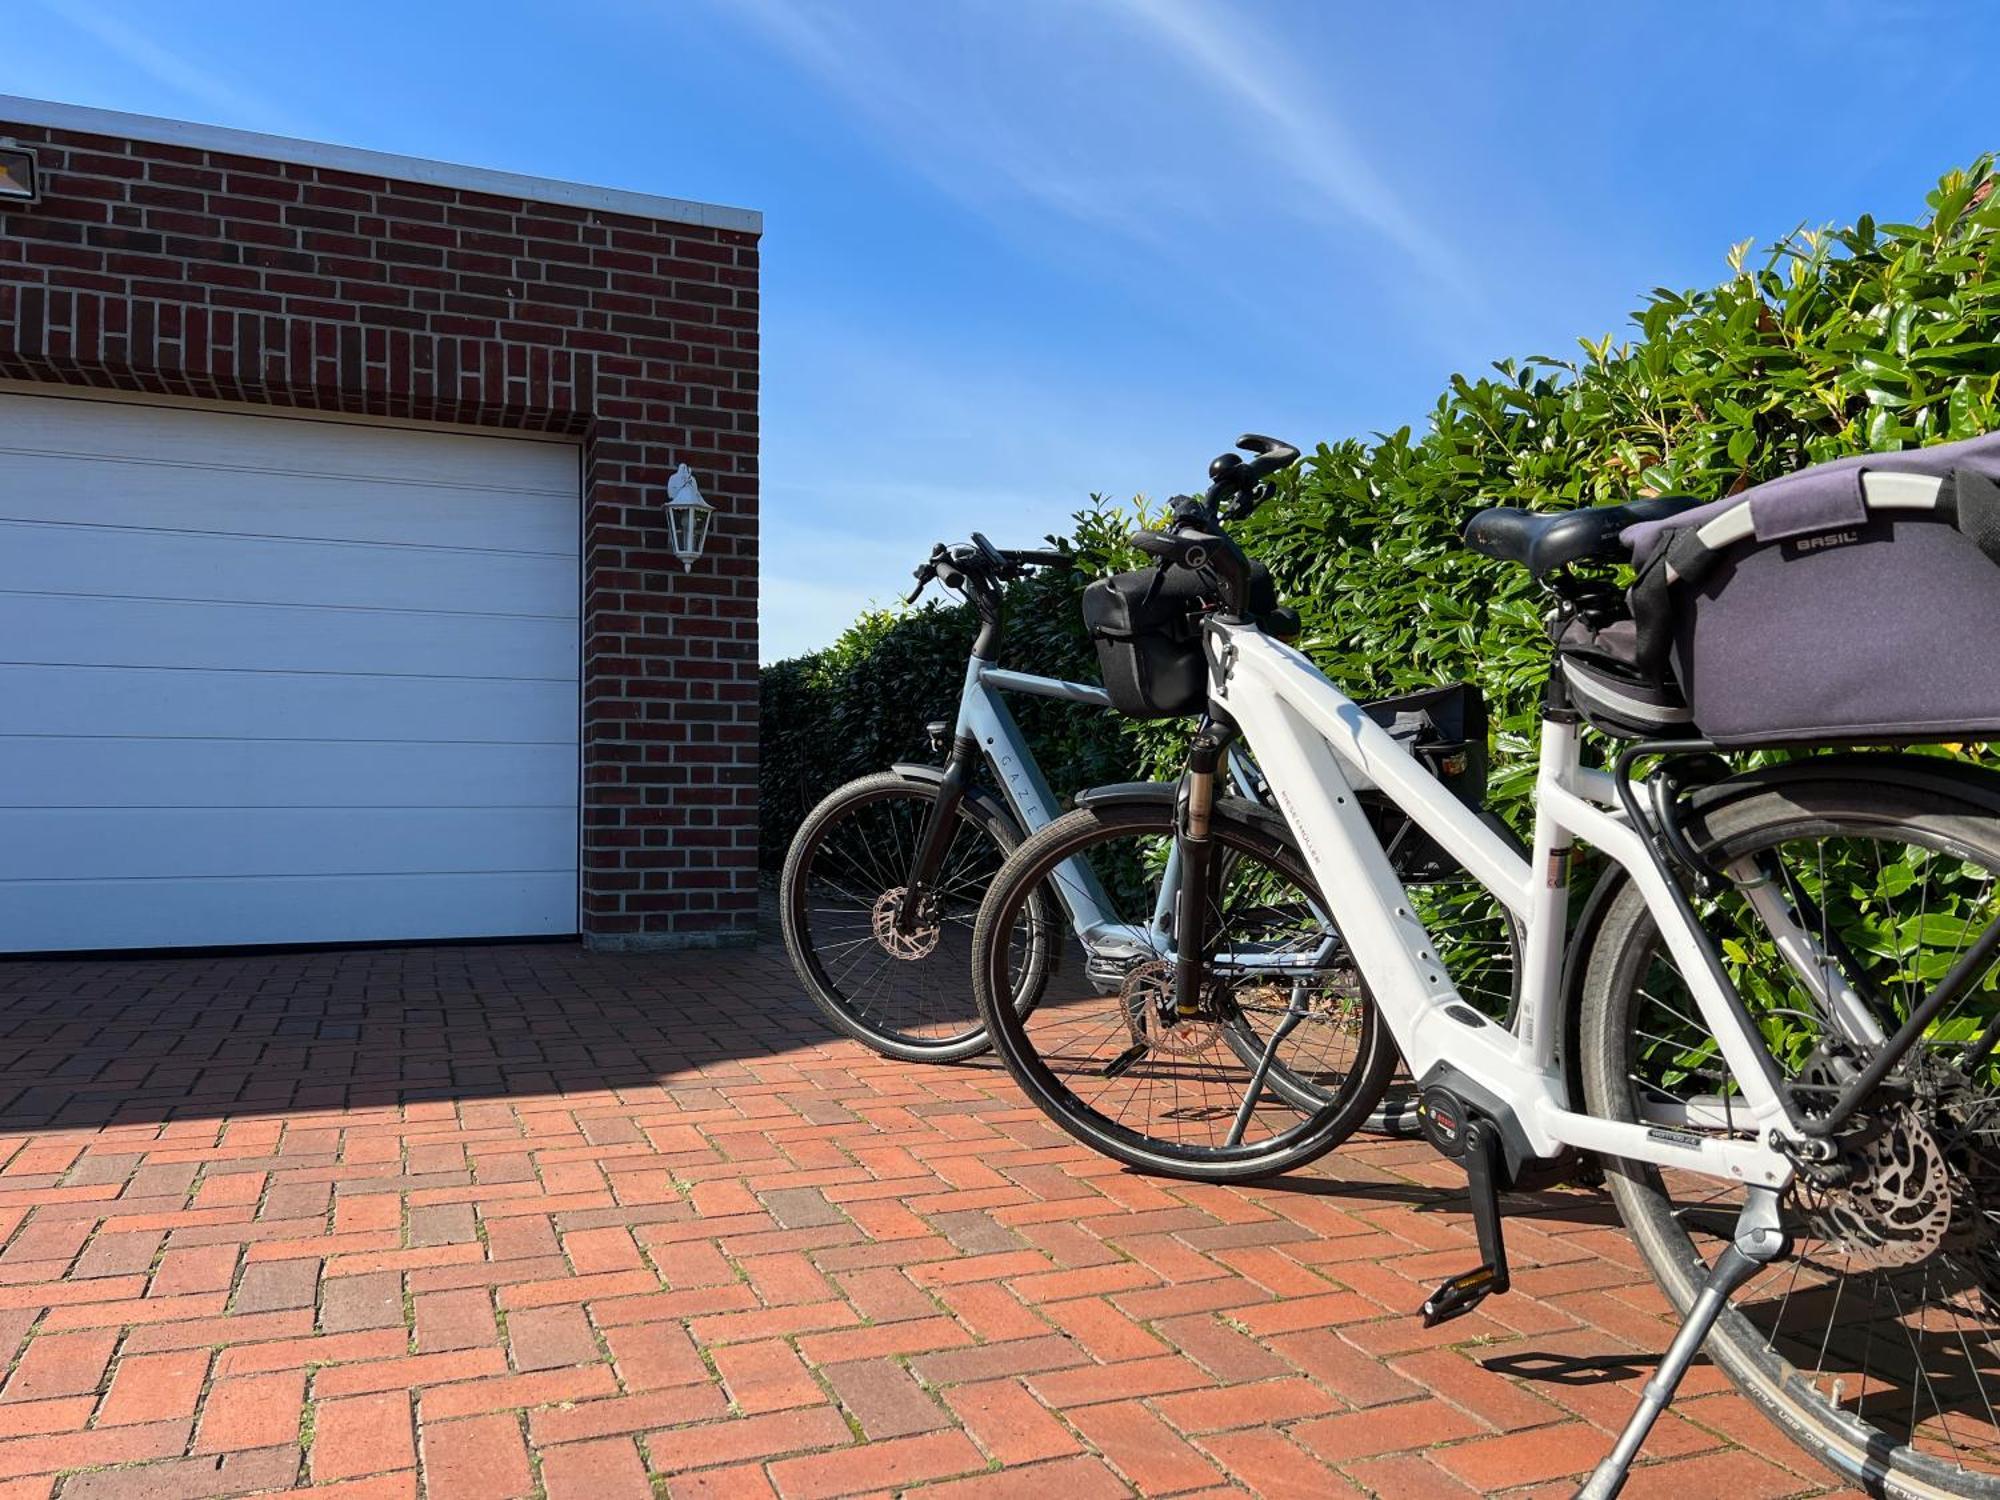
x=1146, y=626
x=1854, y=601
x=1445, y=729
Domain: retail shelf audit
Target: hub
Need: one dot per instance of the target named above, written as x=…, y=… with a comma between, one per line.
x=921, y=937
x=1148, y=993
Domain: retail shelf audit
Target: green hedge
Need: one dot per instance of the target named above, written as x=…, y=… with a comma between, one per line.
x=1830, y=342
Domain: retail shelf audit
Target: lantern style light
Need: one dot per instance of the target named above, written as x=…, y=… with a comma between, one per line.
x=688, y=516
x=19, y=180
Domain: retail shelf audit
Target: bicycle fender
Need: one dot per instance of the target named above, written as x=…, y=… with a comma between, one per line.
x=978, y=797
x=1162, y=793
x=1126, y=791
x=1969, y=782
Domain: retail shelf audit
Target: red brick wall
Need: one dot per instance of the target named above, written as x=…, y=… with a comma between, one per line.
x=156, y=268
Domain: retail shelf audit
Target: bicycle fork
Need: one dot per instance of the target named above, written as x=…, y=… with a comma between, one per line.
x=937, y=833
x=1194, y=810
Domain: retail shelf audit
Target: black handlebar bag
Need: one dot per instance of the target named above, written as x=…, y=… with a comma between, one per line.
x=1830, y=607
x=1146, y=626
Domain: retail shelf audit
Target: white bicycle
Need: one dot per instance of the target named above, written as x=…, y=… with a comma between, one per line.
x=1779, y=1005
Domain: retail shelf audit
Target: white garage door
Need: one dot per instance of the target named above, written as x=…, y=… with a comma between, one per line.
x=273, y=680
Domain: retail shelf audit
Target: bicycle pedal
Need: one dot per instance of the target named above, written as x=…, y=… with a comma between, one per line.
x=1474, y=1141
x=1462, y=1293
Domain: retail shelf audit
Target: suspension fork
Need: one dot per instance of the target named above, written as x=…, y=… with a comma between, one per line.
x=938, y=828
x=1194, y=811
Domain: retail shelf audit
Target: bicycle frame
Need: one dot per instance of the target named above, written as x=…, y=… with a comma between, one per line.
x=988, y=727
x=1317, y=748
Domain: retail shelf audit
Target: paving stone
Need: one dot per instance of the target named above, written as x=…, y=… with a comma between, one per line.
x=474, y=1218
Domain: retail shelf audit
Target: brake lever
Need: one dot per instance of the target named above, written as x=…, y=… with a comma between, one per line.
x=1168, y=548
x=926, y=571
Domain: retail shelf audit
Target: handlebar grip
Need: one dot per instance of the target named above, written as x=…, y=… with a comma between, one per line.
x=1031, y=559
x=1272, y=453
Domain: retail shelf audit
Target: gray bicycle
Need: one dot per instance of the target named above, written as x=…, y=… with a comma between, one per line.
x=884, y=878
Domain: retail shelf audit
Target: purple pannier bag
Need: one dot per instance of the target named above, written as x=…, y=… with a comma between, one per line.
x=1854, y=601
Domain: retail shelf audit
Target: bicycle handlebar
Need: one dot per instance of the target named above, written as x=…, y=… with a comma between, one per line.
x=1231, y=477
x=959, y=565
x=1195, y=537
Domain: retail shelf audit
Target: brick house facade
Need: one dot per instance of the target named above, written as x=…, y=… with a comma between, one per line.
x=215, y=266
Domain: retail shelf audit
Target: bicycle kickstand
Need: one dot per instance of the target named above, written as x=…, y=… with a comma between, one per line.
x=1759, y=1240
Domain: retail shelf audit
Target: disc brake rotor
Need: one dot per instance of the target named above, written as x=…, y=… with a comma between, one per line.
x=1896, y=1206
x=909, y=946
x=1148, y=996
x=1965, y=1120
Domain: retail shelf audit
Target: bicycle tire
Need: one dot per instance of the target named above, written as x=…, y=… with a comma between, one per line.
x=869, y=1019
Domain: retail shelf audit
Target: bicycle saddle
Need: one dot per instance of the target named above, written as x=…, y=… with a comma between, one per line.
x=1544, y=541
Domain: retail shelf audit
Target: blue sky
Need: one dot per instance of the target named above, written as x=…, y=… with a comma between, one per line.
x=1018, y=251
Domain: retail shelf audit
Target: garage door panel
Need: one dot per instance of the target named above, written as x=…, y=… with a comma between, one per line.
x=277, y=638
x=269, y=705
x=308, y=909
x=59, y=844
x=275, y=680
x=153, y=564
x=86, y=491
x=285, y=444
x=61, y=771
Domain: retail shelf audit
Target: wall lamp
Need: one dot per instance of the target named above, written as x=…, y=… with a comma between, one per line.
x=688, y=516
x=20, y=182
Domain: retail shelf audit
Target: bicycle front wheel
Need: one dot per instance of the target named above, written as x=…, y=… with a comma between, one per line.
x=1874, y=1344
x=904, y=991
x=1104, y=1053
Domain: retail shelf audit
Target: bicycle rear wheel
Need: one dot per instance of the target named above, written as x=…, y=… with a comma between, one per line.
x=1874, y=1344
x=1102, y=1052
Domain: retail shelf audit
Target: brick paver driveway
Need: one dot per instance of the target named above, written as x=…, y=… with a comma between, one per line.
x=514, y=1221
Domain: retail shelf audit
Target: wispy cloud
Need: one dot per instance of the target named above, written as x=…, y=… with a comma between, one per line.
x=170, y=70
x=1252, y=71
x=985, y=157
x=1032, y=113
